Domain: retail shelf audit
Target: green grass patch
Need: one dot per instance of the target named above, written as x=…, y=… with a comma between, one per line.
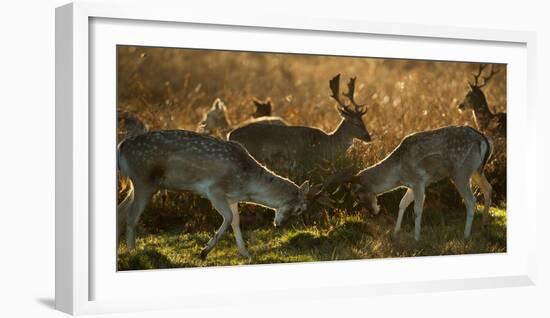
x=354, y=236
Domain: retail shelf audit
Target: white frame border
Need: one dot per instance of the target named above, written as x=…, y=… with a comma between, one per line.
x=72, y=140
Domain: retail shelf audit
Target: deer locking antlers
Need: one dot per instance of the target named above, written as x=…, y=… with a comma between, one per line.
x=318, y=193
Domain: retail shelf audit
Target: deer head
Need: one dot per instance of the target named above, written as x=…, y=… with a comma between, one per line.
x=353, y=116
x=308, y=195
x=359, y=191
x=475, y=97
x=263, y=108
x=215, y=119
x=294, y=207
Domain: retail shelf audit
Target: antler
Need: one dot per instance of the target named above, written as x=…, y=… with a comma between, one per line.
x=476, y=76
x=334, y=84
x=318, y=192
x=488, y=77
x=485, y=78
x=350, y=95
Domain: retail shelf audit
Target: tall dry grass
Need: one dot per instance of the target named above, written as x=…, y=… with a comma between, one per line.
x=172, y=88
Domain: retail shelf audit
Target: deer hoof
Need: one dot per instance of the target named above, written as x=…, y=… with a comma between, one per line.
x=204, y=254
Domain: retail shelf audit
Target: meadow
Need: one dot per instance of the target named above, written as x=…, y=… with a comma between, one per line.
x=173, y=88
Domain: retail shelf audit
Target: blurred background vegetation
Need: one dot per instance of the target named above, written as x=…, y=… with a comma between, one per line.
x=172, y=89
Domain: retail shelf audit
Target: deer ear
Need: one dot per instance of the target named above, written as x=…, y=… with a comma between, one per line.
x=256, y=102
x=219, y=105
x=216, y=104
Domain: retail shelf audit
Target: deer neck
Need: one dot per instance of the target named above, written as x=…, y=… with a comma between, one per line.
x=342, y=137
x=383, y=176
x=271, y=190
x=224, y=127
x=482, y=113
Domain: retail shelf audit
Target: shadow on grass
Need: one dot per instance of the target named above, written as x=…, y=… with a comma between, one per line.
x=345, y=237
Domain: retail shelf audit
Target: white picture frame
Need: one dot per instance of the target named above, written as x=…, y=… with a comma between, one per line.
x=81, y=28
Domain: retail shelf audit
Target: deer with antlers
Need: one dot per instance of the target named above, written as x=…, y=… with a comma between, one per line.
x=304, y=147
x=475, y=100
x=456, y=152
x=222, y=171
x=216, y=120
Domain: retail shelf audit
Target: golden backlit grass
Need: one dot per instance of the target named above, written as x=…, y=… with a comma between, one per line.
x=172, y=88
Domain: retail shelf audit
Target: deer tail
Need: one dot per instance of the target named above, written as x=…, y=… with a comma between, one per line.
x=126, y=184
x=486, y=150
x=127, y=201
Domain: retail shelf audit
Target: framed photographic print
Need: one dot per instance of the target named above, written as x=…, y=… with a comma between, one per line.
x=238, y=155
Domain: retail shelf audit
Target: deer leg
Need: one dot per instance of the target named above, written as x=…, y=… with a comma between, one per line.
x=142, y=196
x=419, y=197
x=237, y=230
x=219, y=202
x=487, y=189
x=122, y=212
x=464, y=188
x=405, y=202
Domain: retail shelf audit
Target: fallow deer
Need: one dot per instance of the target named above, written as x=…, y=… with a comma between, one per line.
x=129, y=125
x=216, y=120
x=263, y=108
x=485, y=119
x=456, y=152
x=304, y=147
x=222, y=171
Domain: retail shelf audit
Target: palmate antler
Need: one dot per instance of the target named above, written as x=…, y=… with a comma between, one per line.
x=359, y=109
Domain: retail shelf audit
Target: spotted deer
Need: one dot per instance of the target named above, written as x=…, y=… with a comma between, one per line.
x=216, y=120
x=222, y=171
x=304, y=147
x=475, y=101
x=456, y=152
x=129, y=125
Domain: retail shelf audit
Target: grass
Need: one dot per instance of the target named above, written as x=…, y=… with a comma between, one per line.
x=355, y=236
x=172, y=88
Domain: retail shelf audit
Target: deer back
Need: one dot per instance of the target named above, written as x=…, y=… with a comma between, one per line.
x=444, y=152
x=426, y=157
x=184, y=160
x=292, y=142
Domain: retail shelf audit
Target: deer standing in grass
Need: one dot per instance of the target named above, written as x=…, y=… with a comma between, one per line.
x=456, y=152
x=304, y=147
x=222, y=171
x=216, y=120
x=485, y=119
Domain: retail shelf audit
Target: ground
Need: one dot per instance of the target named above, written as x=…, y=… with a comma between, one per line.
x=356, y=236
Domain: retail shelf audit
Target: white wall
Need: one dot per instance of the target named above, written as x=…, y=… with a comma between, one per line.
x=27, y=157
